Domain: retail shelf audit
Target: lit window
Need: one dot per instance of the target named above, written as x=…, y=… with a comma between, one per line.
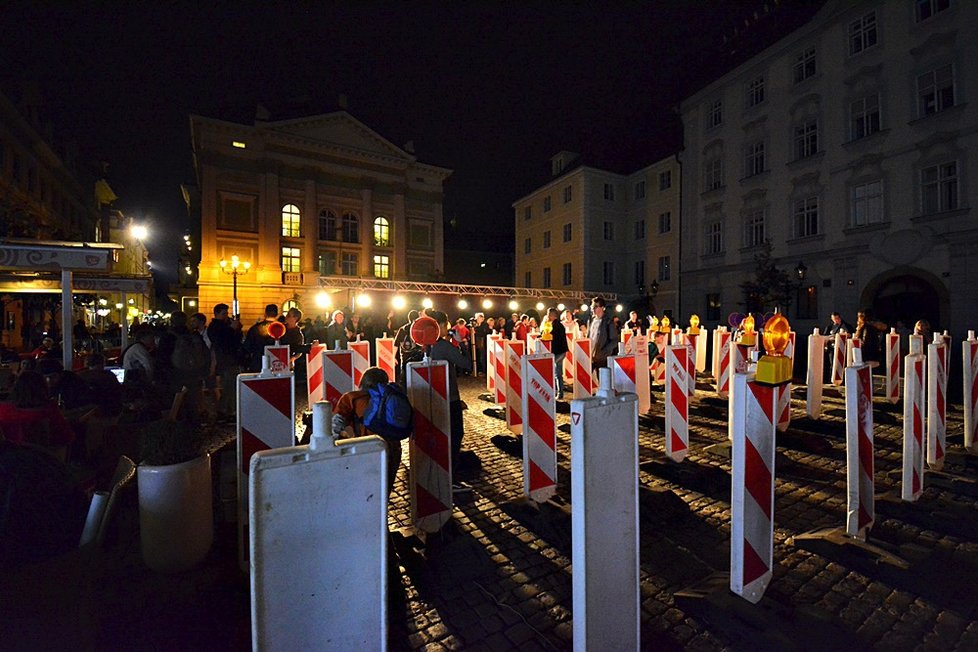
x=939, y=188
x=239, y=144
x=862, y=33
x=382, y=266
x=291, y=261
x=935, y=90
x=290, y=221
x=382, y=232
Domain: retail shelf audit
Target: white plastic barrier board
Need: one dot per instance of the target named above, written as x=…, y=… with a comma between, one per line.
x=640, y=349
x=815, y=378
x=568, y=369
x=860, y=499
x=677, y=402
x=970, y=368
x=319, y=547
x=385, y=356
x=690, y=341
x=892, y=366
x=278, y=358
x=752, y=420
x=604, y=521
x=839, y=358
x=583, y=380
x=936, y=402
x=314, y=373
x=698, y=343
x=266, y=420
x=722, y=376
x=539, y=427
x=430, y=450
x=514, y=350
x=361, y=359
x=499, y=367
x=337, y=369
x=914, y=391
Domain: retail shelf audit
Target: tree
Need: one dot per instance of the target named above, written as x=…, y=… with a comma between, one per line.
x=771, y=287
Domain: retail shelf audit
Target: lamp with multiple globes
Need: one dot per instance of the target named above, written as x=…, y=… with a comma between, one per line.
x=235, y=268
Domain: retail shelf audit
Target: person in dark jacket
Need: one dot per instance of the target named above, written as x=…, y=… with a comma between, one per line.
x=444, y=349
x=558, y=346
x=225, y=336
x=258, y=338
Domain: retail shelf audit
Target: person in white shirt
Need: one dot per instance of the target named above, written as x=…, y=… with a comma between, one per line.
x=138, y=359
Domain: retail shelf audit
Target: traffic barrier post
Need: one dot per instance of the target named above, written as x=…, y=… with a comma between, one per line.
x=430, y=448
x=914, y=389
x=677, y=402
x=514, y=350
x=936, y=402
x=860, y=499
x=539, y=427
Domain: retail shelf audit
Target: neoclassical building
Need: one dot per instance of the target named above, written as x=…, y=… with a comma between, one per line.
x=592, y=230
x=306, y=198
x=849, y=146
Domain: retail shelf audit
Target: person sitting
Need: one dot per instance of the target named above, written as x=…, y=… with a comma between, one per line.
x=47, y=349
x=65, y=387
x=31, y=417
x=348, y=419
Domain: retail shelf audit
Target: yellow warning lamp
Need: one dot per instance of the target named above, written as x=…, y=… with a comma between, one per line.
x=664, y=325
x=748, y=336
x=546, y=330
x=653, y=324
x=774, y=368
x=694, y=325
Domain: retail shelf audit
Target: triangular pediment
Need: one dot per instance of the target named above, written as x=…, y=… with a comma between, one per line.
x=342, y=130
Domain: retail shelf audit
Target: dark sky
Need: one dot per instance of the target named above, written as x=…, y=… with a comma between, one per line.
x=490, y=91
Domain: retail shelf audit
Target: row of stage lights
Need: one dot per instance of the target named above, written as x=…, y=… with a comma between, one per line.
x=399, y=302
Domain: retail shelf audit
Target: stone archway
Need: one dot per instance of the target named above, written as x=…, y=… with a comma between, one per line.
x=908, y=294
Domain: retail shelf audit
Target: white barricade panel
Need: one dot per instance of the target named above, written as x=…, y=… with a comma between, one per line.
x=314, y=373
x=583, y=380
x=698, y=342
x=361, y=359
x=623, y=374
x=752, y=419
x=430, y=449
x=640, y=349
x=337, y=375
x=914, y=389
x=892, y=366
x=690, y=341
x=490, y=364
x=499, y=380
x=936, y=403
x=385, y=356
x=814, y=379
x=539, y=427
x=266, y=420
x=569, y=359
x=860, y=503
x=278, y=358
x=677, y=402
x=970, y=396
x=514, y=350
x=839, y=358
x=723, y=363
x=319, y=547
x=604, y=491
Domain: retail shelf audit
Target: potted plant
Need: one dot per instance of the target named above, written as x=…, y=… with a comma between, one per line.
x=176, y=526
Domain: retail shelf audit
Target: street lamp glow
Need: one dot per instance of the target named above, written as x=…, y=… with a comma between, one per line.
x=398, y=302
x=364, y=300
x=513, y=305
x=323, y=300
x=139, y=231
x=486, y=304
x=427, y=303
x=540, y=305
x=618, y=308
x=463, y=304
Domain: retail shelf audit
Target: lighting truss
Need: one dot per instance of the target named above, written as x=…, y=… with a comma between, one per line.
x=355, y=283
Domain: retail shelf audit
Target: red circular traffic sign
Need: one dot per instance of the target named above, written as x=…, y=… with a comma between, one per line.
x=425, y=331
x=276, y=330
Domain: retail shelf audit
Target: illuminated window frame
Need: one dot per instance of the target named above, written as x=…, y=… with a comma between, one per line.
x=291, y=259
x=382, y=266
x=291, y=221
x=382, y=232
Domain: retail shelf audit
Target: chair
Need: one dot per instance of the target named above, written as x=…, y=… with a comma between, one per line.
x=125, y=471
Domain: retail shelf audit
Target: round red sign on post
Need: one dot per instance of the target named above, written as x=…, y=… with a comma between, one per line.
x=276, y=330
x=425, y=331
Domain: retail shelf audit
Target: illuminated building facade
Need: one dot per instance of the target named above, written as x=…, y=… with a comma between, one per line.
x=600, y=232
x=847, y=146
x=320, y=196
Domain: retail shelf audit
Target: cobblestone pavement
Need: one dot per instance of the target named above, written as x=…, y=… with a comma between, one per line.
x=498, y=576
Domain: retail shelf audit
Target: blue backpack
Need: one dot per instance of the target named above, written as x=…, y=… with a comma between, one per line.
x=389, y=413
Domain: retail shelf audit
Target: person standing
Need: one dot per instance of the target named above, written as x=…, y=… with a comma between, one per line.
x=258, y=338
x=404, y=344
x=225, y=336
x=337, y=334
x=482, y=330
x=634, y=324
x=602, y=333
x=444, y=349
x=558, y=346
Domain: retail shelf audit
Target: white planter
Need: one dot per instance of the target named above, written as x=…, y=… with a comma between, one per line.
x=176, y=520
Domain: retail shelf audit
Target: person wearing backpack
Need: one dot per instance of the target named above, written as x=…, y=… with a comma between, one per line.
x=378, y=407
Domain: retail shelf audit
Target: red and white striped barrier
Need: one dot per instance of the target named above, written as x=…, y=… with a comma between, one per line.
x=626, y=339
x=499, y=366
x=490, y=364
x=739, y=358
x=839, y=358
x=752, y=418
x=677, y=402
x=278, y=358
x=385, y=356
x=913, y=426
x=936, y=402
x=314, y=373
x=583, y=381
x=531, y=340
x=698, y=342
x=514, y=350
x=714, y=369
x=640, y=349
x=784, y=407
x=970, y=351
x=337, y=375
x=892, y=366
x=539, y=427
x=947, y=344
x=623, y=372
x=568, y=369
x=860, y=501
x=430, y=450
x=691, y=343
x=722, y=373
x=361, y=359
x=816, y=374
x=266, y=420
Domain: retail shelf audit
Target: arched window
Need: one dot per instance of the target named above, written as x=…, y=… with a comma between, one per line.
x=351, y=228
x=382, y=232
x=328, y=225
x=290, y=221
x=291, y=303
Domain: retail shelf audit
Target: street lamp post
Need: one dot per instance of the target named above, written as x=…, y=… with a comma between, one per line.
x=235, y=267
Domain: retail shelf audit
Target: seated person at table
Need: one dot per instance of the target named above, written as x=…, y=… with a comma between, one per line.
x=65, y=387
x=31, y=417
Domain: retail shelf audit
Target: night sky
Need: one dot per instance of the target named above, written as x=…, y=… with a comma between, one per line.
x=491, y=92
